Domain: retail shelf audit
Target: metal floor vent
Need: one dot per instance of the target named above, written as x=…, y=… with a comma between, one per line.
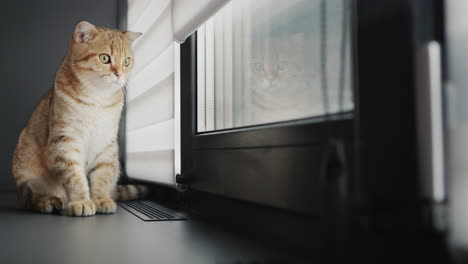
x=150, y=211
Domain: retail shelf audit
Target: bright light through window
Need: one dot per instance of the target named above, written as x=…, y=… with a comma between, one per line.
x=268, y=61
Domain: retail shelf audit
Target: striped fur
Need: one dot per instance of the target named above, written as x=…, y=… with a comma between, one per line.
x=67, y=155
x=130, y=192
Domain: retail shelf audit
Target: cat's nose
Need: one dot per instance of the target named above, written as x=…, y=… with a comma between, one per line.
x=118, y=74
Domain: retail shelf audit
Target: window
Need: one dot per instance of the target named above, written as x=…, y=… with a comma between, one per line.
x=267, y=101
x=269, y=61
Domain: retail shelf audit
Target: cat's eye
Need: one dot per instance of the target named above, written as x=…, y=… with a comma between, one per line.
x=104, y=58
x=259, y=67
x=126, y=62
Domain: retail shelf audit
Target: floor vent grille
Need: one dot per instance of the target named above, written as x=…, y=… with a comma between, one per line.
x=150, y=211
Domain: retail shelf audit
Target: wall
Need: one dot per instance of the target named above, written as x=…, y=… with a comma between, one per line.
x=33, y=42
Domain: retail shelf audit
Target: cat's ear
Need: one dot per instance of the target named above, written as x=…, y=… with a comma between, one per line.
x=84, y=32
x=132, y=36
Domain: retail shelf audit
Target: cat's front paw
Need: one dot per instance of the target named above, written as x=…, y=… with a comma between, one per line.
x=49, y=204
x=81, y=208
x=105, y=206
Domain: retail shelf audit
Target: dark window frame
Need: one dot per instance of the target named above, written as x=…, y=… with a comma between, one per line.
x=328, y=138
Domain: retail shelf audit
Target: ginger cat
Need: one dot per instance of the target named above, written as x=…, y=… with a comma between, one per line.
x=67, y=155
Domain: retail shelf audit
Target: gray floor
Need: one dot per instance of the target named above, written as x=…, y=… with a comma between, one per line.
x=27, y=237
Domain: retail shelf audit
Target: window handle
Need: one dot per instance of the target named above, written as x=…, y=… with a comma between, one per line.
x=334, y=198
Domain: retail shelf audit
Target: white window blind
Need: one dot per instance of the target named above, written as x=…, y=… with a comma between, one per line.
x=152, y=116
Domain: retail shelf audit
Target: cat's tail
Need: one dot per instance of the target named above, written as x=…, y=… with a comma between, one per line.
x=130, y=192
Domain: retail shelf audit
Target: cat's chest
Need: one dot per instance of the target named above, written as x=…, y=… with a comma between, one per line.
x=101, y=133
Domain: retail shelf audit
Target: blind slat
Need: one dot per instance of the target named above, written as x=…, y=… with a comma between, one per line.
x=157, y=71
x=209, y=75
x=219, y=73
x=154, y=41
x=154, y=166
x=150, y=14
x=135, y=9
x=228, y=66
x=155, y=137
x=201, y=105
x=188, y=15
x=154, y=106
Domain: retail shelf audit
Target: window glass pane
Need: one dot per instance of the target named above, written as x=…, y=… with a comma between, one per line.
x=268, y=61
